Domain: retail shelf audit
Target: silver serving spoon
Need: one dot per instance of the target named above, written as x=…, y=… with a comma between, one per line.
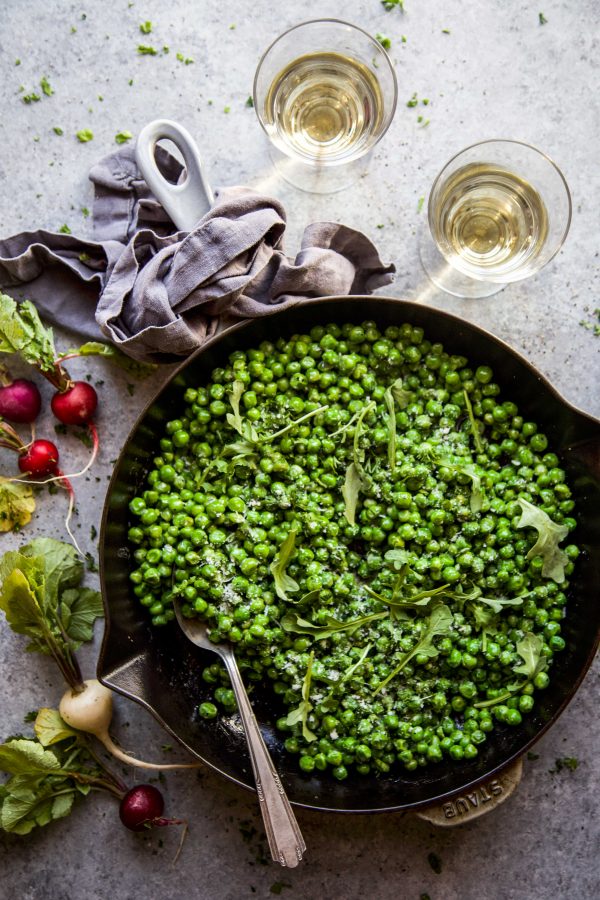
x=283, y=833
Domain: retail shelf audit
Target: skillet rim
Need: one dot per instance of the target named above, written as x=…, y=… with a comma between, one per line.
x=387, y=300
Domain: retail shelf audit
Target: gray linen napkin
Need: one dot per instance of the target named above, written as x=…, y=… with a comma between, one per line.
x=158, y=293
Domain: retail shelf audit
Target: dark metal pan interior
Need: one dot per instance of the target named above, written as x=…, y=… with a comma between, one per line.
x=161, y=670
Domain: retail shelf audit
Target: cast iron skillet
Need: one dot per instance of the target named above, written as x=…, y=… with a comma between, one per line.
x=161, y=670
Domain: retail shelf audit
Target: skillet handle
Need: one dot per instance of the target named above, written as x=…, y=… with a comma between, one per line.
x=476, y=802
x=187, y=202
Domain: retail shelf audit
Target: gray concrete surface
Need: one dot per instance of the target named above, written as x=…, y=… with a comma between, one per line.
x=498, y=73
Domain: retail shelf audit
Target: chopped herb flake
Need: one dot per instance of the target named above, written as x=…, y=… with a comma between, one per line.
x=565, y=762
x=64, y=229
x=384, y=41
x=45, y=86
x=420, y=203
x=85, y=135
x=58, y=130
x=146, y=27
x=123, y=136
x=31, y=98
x=146, y=50
x=542, y=19
x=250, y=102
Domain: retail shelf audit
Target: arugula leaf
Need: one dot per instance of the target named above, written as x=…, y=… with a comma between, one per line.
x=394, y=395
x=283, y=581
x=351, y=670
x=529, y=649
x=50, y=729
x=357, y=452
x=350, y=491
x=16, y=504
x=498, y=603
x=300, y=714
x=401, y=395
x=439, y=622
x=476, y=499
x=468, y=469
x=22, y=332
x=474, y=425
x=421, y=598
x=397, y=559
x=235, y=418
x=294, y=623
x=549, y=537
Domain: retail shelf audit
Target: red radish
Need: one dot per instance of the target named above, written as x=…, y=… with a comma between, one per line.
x=40, y=459
x=20, y=401
x=76, y=405
x=142, y=807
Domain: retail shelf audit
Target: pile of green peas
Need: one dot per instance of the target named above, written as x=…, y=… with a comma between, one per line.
x=225, y=493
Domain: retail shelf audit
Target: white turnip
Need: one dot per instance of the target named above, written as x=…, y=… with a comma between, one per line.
x=90, y=710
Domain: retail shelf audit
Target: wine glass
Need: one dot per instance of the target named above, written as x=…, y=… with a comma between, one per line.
x=497, y=213
x=325, y=93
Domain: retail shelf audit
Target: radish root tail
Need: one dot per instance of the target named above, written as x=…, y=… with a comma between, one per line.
x=140, y=764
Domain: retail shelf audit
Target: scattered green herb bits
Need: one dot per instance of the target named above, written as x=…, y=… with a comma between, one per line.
x=381, y=536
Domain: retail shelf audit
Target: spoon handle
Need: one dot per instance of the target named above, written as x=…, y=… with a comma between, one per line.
x=282, y=830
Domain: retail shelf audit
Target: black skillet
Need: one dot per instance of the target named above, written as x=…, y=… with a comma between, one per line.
x=161, y=670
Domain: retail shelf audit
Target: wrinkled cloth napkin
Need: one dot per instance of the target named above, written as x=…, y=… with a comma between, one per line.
x=158, y=293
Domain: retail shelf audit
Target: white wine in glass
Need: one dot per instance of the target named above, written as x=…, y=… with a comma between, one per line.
x=324, y=106
x=325, y=93
x=498, y=212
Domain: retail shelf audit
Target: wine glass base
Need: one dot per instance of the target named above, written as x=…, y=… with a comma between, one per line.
x=315, y=178
x=445, y=277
